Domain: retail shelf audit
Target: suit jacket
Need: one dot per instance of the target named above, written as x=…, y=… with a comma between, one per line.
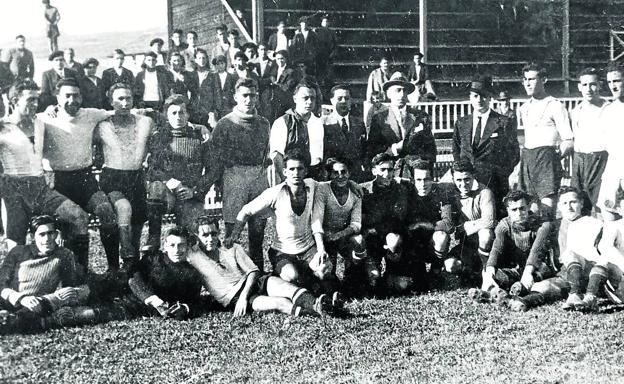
x=376, y=79
x=385, y=130
x=21, y=63
x=419, y=77
x=498, y=151
x=223, y=98
x=304, y=49
x=265, y=77
x=187, y=86
x=110, y=77
x=204, y=102
x=164, y=85
x=337, y=143
x=93, y=95
x=77, y=67
x=48, y=86
x=272, y=42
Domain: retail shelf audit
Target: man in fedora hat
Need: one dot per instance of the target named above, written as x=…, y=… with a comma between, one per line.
x=487, y=139
x=400, y=130
x=418, y=75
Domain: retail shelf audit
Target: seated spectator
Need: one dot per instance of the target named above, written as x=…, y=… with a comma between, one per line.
x=475, y=219
x=236, y=283
x=377, y=79
x=30, y=277
x=521, y=253
x=387, y=209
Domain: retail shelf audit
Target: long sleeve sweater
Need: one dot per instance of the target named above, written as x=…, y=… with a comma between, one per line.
x=515, y=246
x=337, y=217
x=477, y=210
x=24, y=272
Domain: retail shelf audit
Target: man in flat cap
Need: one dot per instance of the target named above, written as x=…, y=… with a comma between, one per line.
x=51, y=77
x=487, y=139
x=504, y=105
x=400, y=130
x=91, y=87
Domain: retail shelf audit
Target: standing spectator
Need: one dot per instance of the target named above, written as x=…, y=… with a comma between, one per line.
x=241, y=17
x=182, y=81
x=327, y=49
x=177, y=45
x=239, y=151
x=276, y=99
x=52, y=17
x=152, y=85
x=72, y=64
x=223, y=84
x=20, y=59
x=279, y=41
x=377, y=79
x=191, y=49
x=91, y=88
x=305, y=44
x=399, y=130
x=222, y=45
x=156, y=46
x=116, y=74
x=488, y=140
x=51, y=77
x=590, y=137
x=203, y=78
x=264, y=67
x=345, y=134
x=419, y=76
x=250, y=50
x=233, y=40
x=548, y=138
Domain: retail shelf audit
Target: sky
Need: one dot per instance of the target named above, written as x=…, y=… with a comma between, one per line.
x=82, y=16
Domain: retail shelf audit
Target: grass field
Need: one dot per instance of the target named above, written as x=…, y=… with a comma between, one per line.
x=436, y=337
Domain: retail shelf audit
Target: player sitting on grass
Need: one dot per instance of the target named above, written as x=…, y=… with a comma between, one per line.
x=583, y=266
x=520, y=254
x=236, y=283
x=611, y=247
x=475, y=207
x=30, y=277
x=165, y=283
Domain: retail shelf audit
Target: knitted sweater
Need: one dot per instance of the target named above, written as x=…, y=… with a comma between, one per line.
x=238, y=139
x=514, y=246
x=26, y=273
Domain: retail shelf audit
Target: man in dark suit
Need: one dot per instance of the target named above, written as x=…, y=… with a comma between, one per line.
x=277, y=97
x=51, y=77
x=116, y=74
x=400, y=130
x=73, y=64
x=345, y=134
x=264, y=67
x=182, y=80
x=279, y=40
x=487, y=139
x=152, y=85
x=419, y=76
x=305, y=45
x=91, y=88
x=223, y=84
x=203, y=78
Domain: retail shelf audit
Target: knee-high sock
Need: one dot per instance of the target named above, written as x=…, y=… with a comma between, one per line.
x=155, y=210
x=125, y=240
x=597, y=279
x=302, y=298
x=109, y=235
x=79, y=245
x=573, y=275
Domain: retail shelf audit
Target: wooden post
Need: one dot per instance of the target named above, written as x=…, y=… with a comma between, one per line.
x=565, y=47
x=422, y=31
x=257, y=8
x=169, y=22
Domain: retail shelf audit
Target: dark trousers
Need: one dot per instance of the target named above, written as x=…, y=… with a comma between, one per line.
x=587, y=169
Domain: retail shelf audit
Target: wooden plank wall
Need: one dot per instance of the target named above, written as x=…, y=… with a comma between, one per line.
x=201, y=16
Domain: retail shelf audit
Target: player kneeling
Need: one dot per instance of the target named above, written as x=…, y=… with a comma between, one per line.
x=521, y=253
x=237, y=284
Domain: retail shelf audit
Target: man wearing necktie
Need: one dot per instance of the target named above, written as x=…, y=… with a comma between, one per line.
x=345, y=134
x=487, y=139
x=401, y=130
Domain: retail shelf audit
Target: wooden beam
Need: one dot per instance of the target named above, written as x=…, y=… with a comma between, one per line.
x=257, y=9
x=565, y=47
x=237, y=22
x=422, y=29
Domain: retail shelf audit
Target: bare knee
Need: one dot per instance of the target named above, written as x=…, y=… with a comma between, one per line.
x=358, y=243
x=486, y=238
x=289, y=273
x=71, y=213
x=124, y=211
x=441, y=241
x=157, y=190
x=102, y=208
x=393, y=242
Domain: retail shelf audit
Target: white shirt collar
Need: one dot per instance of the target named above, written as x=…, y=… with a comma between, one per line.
x=339, y=118
x=484, y=117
